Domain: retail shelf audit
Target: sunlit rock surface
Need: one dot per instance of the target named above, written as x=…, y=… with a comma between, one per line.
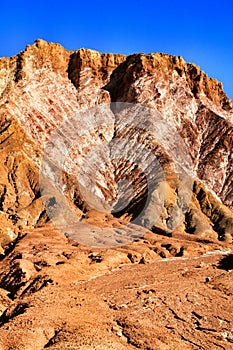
x=147, y=138
x=116, y=191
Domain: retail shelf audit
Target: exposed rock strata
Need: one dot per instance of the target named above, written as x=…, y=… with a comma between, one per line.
x=45, y=85
x=154, y=184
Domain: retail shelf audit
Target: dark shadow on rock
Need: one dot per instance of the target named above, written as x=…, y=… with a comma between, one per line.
x=226, y=263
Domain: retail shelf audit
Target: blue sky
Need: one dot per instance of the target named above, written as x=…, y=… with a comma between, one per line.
x=200, y=31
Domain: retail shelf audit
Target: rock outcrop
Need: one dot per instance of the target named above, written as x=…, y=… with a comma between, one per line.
x=46, y=88
x=116, y=202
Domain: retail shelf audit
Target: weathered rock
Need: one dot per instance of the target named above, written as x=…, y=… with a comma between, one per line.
x=46, y=88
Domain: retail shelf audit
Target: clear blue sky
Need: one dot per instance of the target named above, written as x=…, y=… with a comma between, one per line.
x=200, y=31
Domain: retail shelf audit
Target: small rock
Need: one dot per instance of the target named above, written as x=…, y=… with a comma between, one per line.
x=202, y=264
x=117, y=330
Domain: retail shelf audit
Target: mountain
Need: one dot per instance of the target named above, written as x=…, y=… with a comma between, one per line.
x=110, y=160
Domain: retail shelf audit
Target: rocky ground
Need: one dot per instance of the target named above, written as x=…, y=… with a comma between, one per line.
x=155, y=293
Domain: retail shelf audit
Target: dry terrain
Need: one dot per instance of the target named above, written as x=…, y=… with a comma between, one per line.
x=116, y=199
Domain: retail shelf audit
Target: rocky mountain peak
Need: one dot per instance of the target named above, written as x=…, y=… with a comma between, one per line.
x=46, y=84
x=115, y=202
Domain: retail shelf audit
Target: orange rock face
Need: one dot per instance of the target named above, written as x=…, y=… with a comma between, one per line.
x=108, y=161
x=46, y=85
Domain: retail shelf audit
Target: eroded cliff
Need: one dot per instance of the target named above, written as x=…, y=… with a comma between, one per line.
x=116, y=202
x=46, y=88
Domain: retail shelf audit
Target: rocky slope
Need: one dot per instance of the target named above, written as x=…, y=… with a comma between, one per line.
x=107, y=161
x=47, y=88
